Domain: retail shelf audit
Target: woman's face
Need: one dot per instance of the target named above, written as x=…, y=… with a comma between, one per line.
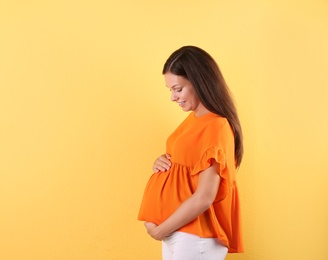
x=184, y=94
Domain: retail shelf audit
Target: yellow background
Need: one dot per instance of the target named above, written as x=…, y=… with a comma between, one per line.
x=84, y=112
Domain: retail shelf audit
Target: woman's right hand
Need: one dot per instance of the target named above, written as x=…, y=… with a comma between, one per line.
x=162, y=163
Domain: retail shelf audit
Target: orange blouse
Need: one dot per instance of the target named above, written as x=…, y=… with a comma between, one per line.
x=192, y=147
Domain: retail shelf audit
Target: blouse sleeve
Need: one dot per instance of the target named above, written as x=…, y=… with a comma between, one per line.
x=217, y=154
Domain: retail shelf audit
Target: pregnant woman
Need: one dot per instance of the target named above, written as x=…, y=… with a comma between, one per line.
x=191, y=200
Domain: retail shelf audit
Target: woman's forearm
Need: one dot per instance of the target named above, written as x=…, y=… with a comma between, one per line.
x=196, y=204
x=187, y=212
x=191, y=208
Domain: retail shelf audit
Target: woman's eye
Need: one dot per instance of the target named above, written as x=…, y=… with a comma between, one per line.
x=179, y=90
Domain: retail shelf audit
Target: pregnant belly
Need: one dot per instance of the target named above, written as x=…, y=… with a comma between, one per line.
x=163, y=194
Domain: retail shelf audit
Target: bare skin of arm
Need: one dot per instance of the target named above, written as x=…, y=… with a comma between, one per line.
x=196, y=204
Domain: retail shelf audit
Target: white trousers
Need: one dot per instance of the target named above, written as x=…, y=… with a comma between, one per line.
x=184, y=246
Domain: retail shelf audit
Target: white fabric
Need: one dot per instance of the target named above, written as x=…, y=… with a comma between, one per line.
x=184, y=246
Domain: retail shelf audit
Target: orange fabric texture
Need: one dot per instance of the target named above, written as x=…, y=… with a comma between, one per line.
x=192, y=146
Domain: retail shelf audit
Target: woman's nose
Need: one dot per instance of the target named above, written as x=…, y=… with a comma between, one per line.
x=173, y=97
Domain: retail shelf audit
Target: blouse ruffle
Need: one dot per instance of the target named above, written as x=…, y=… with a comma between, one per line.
x=219, y=156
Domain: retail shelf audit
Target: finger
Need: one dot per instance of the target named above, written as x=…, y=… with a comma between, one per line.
x=161, y=167
x=149, y=225
x=158, y=168
x=163, y=161
x=165, y=158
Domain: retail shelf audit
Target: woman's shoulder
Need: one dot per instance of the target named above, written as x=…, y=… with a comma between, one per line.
x=207, y=121
x=218, y=127
x=216, y=121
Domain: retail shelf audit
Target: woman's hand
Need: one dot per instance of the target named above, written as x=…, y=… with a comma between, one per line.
x=153, y=231
x=162, y=163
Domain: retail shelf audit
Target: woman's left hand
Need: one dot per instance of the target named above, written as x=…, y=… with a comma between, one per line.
x=153, y=231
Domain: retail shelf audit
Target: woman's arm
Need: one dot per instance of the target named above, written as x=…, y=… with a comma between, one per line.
x=196, y=204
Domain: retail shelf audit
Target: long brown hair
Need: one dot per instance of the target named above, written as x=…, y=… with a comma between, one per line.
x=197, y=66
